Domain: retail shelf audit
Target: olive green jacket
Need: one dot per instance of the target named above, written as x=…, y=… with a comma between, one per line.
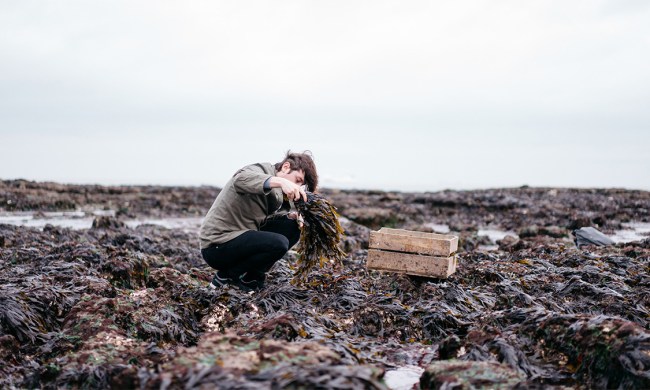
x=242, y=205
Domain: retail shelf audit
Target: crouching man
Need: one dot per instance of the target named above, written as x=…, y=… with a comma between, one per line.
x=249, y=226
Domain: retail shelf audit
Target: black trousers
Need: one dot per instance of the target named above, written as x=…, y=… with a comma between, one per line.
x=254, y=252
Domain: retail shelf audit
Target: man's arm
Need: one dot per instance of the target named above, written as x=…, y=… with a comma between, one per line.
x=251, y=179
x=291, y=189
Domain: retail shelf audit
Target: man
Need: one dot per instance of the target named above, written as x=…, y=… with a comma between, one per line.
x=249, y=226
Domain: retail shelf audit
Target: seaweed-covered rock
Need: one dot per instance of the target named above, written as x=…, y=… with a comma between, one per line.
x=510, y=243
x=232, y=361
x=605, y=352
x=455, y=374
x=127, y=271
x=355, y=236
x=106, y=222
x=372, y=217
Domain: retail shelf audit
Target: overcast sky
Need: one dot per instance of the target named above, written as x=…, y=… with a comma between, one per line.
x=399, y=95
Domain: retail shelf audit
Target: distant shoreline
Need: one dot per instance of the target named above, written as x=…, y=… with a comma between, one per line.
x=324, y=188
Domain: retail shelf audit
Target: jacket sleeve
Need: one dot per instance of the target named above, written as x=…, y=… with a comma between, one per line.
x=250, y=180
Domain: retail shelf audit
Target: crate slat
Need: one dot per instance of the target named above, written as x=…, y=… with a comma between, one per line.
x=412, y=264
x=413, y=242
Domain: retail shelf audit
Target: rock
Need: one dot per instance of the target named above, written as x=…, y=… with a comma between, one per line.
x=456, y=374
x=553, y=231
x=355, y=236
x=8, y=346
x=106, y=222
x=449, y=347
x=579, y=222
x=233, y=361
x=607, y=352
x=528, y=231
x=591, y=236
x=127, y=271
x=470, y=242
x=509, y=243
x=372, y=217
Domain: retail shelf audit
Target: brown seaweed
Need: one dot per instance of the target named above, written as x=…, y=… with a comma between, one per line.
x=116, y=307
x=320, y=235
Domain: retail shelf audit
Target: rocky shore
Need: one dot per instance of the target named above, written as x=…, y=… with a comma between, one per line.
x=117, y=305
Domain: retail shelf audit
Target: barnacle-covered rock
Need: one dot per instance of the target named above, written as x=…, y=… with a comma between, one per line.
x=455, y=374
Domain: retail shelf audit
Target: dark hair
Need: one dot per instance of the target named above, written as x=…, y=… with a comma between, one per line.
x=305, y=162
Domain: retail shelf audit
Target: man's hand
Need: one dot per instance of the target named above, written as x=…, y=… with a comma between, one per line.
x=296, y=215
x=292, y=190
x=289, y=188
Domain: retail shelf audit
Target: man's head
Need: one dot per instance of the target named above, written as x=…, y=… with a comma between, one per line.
x=299, y=168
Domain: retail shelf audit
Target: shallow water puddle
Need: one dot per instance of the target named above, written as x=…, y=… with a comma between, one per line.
x=438, y=228
x=188, y=225
x=634, y=231
x=403, y=378
x=495, y=235
x=79, y=220
x=68, y=219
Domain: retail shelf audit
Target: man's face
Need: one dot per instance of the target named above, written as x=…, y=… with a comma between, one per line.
x=296, y=176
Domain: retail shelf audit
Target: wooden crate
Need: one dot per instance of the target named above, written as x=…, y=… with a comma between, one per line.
x=399, y=240
x=413, y=253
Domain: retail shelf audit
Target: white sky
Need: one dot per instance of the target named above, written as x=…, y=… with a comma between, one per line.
x=399, y=95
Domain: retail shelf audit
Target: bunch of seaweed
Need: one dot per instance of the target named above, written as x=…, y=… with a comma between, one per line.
x=320, y=235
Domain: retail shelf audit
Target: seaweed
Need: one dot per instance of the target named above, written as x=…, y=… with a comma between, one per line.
x=117, y=307
x=320, y=235
x=453, y=374
x=605, y=352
